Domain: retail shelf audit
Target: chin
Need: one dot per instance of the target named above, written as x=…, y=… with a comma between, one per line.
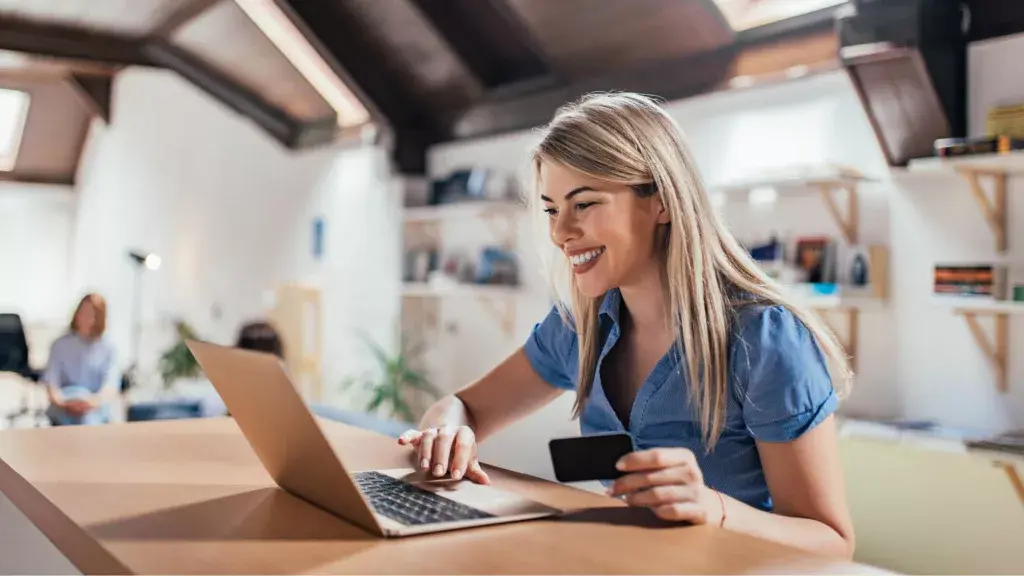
x=593, y=284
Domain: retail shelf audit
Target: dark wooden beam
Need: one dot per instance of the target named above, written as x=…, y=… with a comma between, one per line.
x=187, y=11
x=994, y=18
x=373, y=75
x=489, y=38
x=30, y=178
x=95, y=92
x=270, y=118
x=755, y=64
x=73, y=43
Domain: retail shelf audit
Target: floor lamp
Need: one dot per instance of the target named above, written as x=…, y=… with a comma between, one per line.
x=141, y=261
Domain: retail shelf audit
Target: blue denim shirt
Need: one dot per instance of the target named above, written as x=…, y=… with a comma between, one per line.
x=779, y=389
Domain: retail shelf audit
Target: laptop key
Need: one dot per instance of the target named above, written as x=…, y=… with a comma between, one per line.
x=411, y=505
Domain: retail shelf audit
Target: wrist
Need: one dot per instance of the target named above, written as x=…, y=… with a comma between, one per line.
x=715, y=507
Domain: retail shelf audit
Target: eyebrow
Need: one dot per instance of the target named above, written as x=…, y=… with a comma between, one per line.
x=571, y=193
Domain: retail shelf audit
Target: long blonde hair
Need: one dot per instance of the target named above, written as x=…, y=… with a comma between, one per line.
x=629, y=139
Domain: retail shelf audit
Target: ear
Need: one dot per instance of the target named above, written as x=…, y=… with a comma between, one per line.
x=663, y=214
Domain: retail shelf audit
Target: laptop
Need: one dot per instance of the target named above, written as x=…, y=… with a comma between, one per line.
x=290, y=444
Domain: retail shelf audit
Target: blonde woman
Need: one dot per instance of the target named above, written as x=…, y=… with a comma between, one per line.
x=672, y=334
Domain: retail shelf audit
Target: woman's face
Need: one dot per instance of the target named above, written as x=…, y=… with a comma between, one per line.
x=606, y=230
x=85, y=319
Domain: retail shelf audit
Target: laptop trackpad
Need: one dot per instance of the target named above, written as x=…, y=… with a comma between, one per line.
x=485, y=498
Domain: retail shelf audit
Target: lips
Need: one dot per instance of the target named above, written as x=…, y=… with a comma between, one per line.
x=584, y=260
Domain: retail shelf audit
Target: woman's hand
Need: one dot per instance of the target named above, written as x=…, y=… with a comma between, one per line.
x=448, y=449
x=670, y=483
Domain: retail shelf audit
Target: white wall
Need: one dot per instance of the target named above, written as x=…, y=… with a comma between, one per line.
x=915, y=360
x=230, y=212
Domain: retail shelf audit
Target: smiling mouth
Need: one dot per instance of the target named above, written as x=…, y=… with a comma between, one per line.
x=585, y=260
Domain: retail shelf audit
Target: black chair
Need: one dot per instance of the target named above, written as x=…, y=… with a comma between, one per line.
x=14, y=358
x=14, y=347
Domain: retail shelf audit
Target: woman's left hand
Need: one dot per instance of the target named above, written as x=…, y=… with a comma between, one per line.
x=670, y=483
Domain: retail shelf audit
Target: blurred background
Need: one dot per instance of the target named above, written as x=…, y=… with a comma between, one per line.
x=341, y=182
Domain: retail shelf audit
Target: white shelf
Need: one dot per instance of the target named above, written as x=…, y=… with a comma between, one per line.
x=847, y=298
x=794, y=181
x=979, y=304
x=425, y=290
x=1009, y=162
x=462, y=210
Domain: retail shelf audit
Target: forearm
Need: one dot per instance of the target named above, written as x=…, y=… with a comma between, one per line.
x=802, y=533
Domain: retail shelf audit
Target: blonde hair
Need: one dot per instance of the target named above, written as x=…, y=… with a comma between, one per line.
x=629, y=139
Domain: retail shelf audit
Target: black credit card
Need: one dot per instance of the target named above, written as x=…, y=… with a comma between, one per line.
x=586, y=458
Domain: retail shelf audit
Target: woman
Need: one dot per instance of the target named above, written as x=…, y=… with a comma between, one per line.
x=674, y=335
x=80, y=377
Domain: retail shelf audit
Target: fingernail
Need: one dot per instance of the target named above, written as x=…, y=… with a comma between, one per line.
x=457, y=474
x=438, y=470
x=424, y=464
x=620, y=465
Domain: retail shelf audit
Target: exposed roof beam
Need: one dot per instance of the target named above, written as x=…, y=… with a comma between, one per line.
x=29, y=178
x=236, y=96
x=994, y=18
x=95, y=92
x=488, y=37
x=672, y=80
x=188, y=10
x=367, y=70
x=72, y=43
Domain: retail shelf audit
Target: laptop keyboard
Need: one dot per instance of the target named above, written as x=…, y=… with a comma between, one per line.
x=411, y=505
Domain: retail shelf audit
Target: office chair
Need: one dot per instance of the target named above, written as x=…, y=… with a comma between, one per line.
x=14, y=357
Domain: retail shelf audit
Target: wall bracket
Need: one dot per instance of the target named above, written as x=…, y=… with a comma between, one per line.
x=995, y=352
x=849, y=223
x=849, y=343
x=993, y=210
x=503, y=308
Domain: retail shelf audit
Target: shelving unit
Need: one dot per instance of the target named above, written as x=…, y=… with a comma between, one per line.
x=848, y=305
x=996, y=348
x=980, y=171
x=502, y=218
x=827, y=181
x=975, y=170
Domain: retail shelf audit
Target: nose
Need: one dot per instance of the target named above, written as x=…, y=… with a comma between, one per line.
x=564, y=230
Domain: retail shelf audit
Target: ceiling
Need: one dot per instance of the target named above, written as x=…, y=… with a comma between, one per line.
x=311, y=71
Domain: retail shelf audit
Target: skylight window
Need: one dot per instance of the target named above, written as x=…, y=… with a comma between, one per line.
x=747, y=14
x=13, y=111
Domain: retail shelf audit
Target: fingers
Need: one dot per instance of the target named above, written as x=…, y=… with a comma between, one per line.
x=640, y=480
x=463, y=451
x=426, y=448
x=410, y=438
x=682, y=512
x=661, y=496
x=443, y=450
x=475, y=473
x=655, y=459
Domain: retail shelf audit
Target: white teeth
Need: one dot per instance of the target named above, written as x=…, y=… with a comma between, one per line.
x=585, y=257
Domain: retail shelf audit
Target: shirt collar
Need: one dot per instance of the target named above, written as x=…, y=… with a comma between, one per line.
x=611, y=306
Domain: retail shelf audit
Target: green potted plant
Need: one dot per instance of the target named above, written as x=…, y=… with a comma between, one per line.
x=177, y=362
x=389, y=388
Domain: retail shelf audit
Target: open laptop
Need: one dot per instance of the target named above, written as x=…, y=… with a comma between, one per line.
x=288, y=440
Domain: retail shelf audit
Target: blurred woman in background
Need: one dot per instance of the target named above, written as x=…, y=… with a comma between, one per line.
x=80, y=375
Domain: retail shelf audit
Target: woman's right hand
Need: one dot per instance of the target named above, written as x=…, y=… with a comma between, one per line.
x=446, y=449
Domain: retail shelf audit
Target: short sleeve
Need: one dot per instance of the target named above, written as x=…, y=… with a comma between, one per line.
x=549, y=349
x=781, y=375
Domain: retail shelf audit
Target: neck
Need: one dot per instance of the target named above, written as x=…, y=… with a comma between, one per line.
x=645, y=301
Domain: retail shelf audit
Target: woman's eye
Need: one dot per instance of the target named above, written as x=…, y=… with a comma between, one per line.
x=584, y=205
x=550, y=211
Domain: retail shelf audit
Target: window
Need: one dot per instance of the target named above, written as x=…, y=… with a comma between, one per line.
x=13, y=111
x=746, y=14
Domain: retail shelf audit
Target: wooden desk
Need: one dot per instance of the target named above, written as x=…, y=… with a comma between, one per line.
x=189, y=496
